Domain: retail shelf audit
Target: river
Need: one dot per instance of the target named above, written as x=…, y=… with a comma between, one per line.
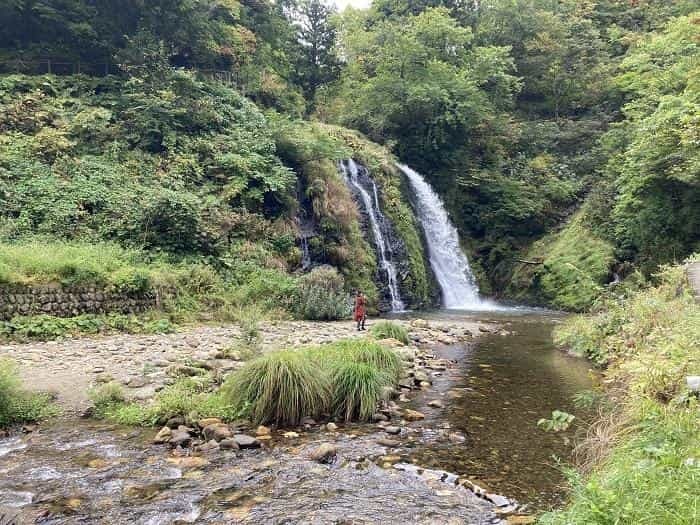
x=80, y=471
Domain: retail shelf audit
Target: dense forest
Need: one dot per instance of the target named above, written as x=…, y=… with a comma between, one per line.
x=563, y=135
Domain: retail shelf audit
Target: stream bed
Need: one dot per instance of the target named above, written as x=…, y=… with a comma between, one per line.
x=480, y=424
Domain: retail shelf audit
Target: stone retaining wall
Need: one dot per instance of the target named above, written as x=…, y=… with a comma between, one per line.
x=54, y=299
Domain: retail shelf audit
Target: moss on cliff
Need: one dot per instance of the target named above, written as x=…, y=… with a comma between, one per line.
x=574, y=264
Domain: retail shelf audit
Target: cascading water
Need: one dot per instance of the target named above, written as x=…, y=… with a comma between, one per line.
x=449, y=264
x=370, y=201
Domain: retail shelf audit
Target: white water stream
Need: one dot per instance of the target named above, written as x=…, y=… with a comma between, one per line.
x=448, y=261
x=370, y=201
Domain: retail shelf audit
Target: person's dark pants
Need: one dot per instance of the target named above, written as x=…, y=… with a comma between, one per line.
x=361, y=324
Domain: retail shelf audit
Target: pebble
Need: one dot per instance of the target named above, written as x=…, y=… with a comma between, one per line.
x=393, y=430
x=385, y=442
x=325, y=453
x=413, y=415
x=245, y=441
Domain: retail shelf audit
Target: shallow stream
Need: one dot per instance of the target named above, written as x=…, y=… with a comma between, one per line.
x=79, y=471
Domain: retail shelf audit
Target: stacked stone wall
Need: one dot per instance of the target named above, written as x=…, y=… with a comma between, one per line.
x=68, y=301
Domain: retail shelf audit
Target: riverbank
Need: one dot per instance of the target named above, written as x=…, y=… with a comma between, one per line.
x=53, y=473
x=640, y=463
x=144, y=364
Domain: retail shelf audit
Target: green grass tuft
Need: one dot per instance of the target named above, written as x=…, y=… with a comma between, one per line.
x=390, y=330
x=280, y=387
x=17, y=405
x=357, y=389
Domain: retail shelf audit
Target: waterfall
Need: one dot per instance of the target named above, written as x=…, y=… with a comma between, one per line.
x=359, y=180
x=448, y=261
x=305, y=254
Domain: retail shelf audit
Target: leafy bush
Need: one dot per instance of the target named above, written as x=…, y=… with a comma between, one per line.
x=390, y=330
x=280, y=387
x=322, y=295
x=16, y=404
x=46, y=327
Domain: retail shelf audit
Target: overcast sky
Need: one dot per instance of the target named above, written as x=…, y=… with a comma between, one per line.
x=342, y=4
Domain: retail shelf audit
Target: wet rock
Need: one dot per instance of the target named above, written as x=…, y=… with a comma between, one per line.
x=308, y=422
x=436, y=403
x=419, y=376
x=413, y=415
x=175, y=422
x=331, y=426
x=210, y=446
x=498, y=500
x=291, y=434
x=420, y=323
x=181, y=437
x=188, y=461
x=484, y=330
x=379, y=417
x=29, y=428
x=246, y=441
x=138, y=382
x=325, y=453
x=228, y=444
x=163, y=436
x=385, y=442
x=203, y=423
x=456, y=437
x=262, y=430
x=217, y=432
x=393, y=430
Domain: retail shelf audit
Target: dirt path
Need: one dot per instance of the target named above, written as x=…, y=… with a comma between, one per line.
x=694, y=278
x=145, y=363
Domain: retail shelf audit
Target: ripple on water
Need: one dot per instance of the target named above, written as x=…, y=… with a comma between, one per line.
x=10, y=445
x=15, y=498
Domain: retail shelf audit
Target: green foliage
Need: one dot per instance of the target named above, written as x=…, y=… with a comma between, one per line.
x=189, y=397
x=389, y=329
x=77, y=263
x=649, y=341
x=558, y=422
x=16, y=404
x=322, y=295
x=573, y=266
x=44, y=327
x=280, y=387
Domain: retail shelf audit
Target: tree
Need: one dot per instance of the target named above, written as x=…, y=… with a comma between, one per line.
x=317, y=63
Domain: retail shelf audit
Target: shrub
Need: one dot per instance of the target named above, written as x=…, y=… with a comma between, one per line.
x=389, y=330
x=280, y=387
x=16, y=404
x=357, y=389
x=322, y=296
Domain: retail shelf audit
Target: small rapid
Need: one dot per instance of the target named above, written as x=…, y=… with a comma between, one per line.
x=449, y=263
x=362, y=184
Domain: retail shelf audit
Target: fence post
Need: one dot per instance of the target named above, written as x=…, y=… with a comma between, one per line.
x=48, y=66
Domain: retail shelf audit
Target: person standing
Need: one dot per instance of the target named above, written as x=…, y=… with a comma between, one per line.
x=360, y=311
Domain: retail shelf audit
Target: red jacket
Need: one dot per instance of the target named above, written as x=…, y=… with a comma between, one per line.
x=360, y=312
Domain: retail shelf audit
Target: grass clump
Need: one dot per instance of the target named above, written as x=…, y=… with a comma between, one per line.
x=357, y=389
x=75, y=263
x=280, y=387
x=647, y=466
x=190, y=397
x=390, y=330
x=346, y=378
x=16, y=404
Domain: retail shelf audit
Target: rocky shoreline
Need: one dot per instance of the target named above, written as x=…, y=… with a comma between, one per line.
x=201, y=445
